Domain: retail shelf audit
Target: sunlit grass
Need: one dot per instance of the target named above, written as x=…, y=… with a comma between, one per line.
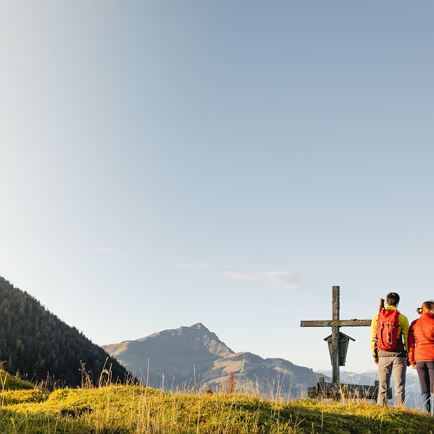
x=136, y=409
x=110, y=408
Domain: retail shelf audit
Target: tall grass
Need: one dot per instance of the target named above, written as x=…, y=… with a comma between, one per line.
x=113, y=408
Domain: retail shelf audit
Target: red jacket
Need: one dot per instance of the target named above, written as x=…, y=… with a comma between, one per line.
x=421, y=339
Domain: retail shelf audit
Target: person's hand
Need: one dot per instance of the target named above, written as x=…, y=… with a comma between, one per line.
x=376, y=360
x=408, y=362
x=413, y=366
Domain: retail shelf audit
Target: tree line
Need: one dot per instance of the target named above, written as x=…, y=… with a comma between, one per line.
x=40, y=347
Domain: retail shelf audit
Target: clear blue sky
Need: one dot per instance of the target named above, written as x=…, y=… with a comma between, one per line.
x=165, y=163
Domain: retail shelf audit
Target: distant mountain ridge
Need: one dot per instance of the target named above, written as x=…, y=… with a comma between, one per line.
x=177, y=355
x=194, y=358
x=412, y=388
x=38, y=345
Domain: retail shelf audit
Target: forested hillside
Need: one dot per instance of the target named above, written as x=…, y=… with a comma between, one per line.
x=38, y=345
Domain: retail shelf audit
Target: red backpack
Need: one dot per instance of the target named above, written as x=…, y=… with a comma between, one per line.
x=388, y=330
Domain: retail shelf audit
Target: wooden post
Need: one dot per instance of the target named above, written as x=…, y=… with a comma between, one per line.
x=335, y=334
x=323, y=389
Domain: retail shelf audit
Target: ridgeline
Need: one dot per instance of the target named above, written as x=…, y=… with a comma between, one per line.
x=41, y=347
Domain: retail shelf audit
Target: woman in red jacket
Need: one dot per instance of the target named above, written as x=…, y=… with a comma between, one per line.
x=421, y=352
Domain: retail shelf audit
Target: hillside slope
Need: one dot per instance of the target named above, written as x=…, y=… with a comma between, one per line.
x=126, y=409
x=194, y=358
x=171, y=358
x=37, y=344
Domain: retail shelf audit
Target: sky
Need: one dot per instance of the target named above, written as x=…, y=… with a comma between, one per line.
x=167, y=163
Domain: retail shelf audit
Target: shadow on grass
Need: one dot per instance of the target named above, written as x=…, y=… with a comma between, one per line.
x=310, y=419
x=208, y=414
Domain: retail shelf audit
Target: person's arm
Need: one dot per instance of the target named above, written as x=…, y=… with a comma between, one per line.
x=374, y=350
x=403, y=322
x=411, y=345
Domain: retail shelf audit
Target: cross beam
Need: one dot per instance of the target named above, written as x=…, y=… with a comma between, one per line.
x=340, y=323
x=335, y=323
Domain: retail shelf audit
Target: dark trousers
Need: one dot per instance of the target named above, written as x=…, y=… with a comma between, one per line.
x=425, y=371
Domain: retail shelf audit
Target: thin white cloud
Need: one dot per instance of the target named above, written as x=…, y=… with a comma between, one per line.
x=282, y=279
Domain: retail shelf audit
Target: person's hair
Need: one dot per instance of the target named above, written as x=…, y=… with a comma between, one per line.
x=392, y=298
x=426, y=305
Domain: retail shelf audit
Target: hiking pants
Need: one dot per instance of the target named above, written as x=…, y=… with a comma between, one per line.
x=425, y=371
x=391, y=366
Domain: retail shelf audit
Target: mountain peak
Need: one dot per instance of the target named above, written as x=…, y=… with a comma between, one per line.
x=199, y=326
x=194, y=357
x=194, y=346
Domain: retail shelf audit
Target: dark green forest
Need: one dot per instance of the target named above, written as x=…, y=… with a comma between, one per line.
x=40, y=347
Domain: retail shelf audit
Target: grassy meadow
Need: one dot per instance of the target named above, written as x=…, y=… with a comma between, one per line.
x=136, y=409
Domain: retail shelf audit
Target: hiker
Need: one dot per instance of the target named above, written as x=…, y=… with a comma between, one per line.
x=421, y=352
x=389, y=343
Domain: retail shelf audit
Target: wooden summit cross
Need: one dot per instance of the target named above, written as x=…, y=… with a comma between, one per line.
x=338, y=342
